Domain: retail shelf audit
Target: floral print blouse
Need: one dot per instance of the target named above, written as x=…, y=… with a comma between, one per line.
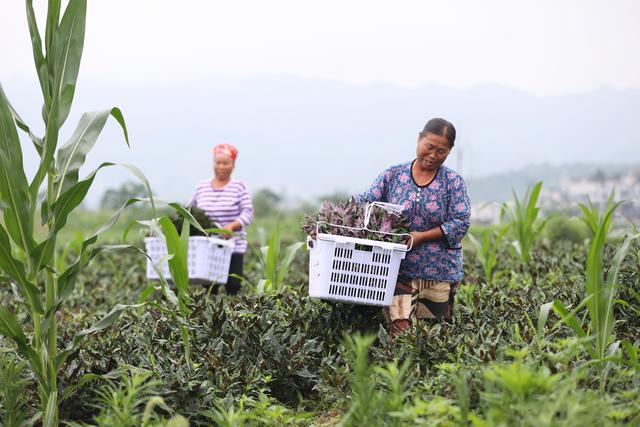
x=443, y=202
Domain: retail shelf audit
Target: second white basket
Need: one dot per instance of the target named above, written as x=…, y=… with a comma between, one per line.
x=353, y=270
x=208, y=258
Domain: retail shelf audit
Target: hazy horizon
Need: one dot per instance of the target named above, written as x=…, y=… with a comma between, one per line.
x=309, y=137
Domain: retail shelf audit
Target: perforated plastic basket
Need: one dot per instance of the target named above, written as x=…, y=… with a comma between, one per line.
x=208, y=258
x=353, y=270
x=358, y=271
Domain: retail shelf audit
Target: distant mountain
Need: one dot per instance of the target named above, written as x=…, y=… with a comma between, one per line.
x=310, y=137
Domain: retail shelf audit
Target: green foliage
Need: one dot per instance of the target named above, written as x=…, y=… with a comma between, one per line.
x=133, y=402
x=365, y=398
x=248, y=411
x=13, y=384
x=199, y=216
x=28, y=263
x=487, y=251
x=597, y=331
x=592, y=216
x=177, y=248
x=518, y=394
x=523, y=216
x=287, y=349
x=275, y=266
x=379, y=394
x=563, y=228
x=279, y=358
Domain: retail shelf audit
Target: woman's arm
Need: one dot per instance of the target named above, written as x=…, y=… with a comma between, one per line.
x=233, y=226
x=458, y=214
x=419, y=237
x=246, y=209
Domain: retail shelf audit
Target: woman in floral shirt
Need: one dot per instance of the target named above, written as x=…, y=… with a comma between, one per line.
x=436, y=202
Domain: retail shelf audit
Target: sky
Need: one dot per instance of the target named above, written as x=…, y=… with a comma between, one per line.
x=179, y=69
x=542, y=47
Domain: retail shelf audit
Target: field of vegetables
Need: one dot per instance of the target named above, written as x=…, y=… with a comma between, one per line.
x=277, y=357
x=546, y=327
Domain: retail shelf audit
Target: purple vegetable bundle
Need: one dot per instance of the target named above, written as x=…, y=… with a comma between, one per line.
x=352, y=214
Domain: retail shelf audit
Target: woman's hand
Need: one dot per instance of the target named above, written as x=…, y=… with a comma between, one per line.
x=231, y=227
x=419, y=237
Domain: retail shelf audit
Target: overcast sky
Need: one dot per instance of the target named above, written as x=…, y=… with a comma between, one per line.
x=306, y=74
x=542, y=47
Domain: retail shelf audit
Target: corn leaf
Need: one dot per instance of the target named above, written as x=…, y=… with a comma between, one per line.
x=64, y=44
x=68, y=53
x=51, y=411
x=71, y=156
x=189, y=217
x=16, y=270
x=66, y=281
x=289, y=255
x=38, y=55
x=10, y=328
x=177, y=264
x=13, y=182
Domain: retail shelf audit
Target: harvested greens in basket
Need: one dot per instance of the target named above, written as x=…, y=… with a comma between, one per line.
x=351, y=214
x=200, y=216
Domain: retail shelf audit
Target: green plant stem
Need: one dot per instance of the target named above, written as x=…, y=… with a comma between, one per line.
x=51, y=297
x=37, y=343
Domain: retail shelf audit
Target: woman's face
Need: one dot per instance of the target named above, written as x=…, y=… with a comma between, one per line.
x=222, y=167
x=432, y=151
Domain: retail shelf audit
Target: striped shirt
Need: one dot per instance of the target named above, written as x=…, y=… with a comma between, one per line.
x=225, y=205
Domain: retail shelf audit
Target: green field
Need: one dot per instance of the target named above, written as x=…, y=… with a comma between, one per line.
x=281, y=358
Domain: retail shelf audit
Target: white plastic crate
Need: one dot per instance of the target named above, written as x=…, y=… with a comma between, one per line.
x=358, y=271
x=208, y=258
x=353, y=270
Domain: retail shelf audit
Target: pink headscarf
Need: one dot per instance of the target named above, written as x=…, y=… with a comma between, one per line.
x=226, y=149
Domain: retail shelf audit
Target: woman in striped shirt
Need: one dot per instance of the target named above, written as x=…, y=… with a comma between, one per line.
x=227, y=202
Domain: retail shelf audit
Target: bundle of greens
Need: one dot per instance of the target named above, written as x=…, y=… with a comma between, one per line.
x=351, y=214
x=200, y=216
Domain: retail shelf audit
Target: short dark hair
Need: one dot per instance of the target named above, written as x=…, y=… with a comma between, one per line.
x=440, y=127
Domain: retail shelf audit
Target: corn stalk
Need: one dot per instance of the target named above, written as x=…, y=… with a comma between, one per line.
x=41, y=282
x=596, y=331
x=486, y=250
x=274, y=265
x=523, y=215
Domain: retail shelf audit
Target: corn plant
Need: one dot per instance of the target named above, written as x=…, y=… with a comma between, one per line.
x=523, y=216
x=42, y=284
x=487, y=251
x=274, y=265
x=597, y=330
x=591, y=213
